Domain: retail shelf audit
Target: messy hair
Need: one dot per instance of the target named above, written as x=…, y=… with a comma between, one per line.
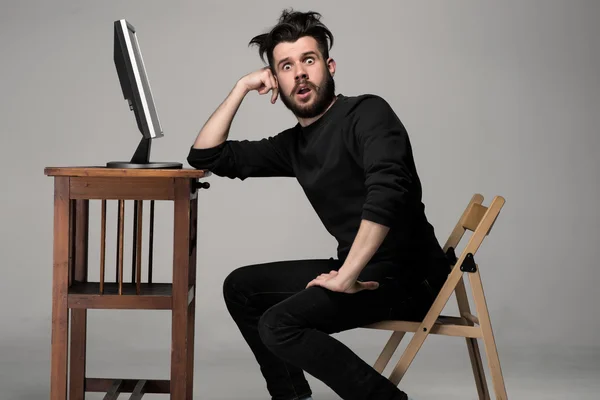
x=293, y=25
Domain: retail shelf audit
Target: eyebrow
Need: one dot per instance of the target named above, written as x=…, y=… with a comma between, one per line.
x=307, y=53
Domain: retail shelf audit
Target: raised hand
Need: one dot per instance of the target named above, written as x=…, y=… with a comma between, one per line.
x=262, y=81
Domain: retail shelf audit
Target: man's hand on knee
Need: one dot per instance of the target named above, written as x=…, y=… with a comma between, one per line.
x=336, y=282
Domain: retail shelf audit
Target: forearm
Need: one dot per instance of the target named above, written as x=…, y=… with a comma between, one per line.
x=216, y=130
x=368, y=239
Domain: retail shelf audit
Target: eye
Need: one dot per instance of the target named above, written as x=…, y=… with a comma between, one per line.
x=286, y=67
x=310, y=60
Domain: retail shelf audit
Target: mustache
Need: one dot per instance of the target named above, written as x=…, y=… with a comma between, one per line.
x=305, y=83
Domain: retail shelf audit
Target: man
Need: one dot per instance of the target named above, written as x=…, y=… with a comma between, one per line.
x=353, y=158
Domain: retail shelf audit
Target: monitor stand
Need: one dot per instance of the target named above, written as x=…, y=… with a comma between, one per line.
x=141, y=159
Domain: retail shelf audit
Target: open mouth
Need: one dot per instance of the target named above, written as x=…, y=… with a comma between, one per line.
x=303, y=91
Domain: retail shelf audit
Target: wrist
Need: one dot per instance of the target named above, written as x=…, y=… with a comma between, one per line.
x=241, y=87
x=346, y=276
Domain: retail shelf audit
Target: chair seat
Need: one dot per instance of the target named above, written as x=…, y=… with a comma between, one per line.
x=444, y=325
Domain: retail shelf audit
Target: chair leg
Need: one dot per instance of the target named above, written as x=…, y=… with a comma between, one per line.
x=407, y=357
x=388, y=351
x=419, y=337
x=478, y=372
x=474, y=354
x=488, y=336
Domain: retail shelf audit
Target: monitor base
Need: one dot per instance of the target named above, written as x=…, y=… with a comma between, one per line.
x=149, y=165
x=141, y=159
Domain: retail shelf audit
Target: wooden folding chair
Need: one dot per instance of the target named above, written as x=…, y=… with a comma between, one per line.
x=478, y=219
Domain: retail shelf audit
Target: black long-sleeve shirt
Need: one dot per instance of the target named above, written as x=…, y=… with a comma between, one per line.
x=353, y=163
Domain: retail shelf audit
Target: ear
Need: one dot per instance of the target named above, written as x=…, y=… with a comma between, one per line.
x=331, y=66
x=270, y=68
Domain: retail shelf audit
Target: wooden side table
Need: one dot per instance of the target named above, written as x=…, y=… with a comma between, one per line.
x=74, y=187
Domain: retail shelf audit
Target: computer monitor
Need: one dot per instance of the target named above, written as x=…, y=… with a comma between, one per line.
x=136, y=90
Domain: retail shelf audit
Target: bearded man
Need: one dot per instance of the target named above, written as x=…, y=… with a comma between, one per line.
x=353, y=159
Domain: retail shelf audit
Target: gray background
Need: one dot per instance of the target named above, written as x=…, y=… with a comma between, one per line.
x=500, y=98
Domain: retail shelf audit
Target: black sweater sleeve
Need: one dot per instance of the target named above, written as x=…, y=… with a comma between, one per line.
x=386, y=156
x=246, y=158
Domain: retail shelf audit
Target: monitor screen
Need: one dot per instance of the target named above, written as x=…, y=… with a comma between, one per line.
x=136, y=90
x=134, y=79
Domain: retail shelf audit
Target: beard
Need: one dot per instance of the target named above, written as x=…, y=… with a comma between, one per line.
x=323, y=96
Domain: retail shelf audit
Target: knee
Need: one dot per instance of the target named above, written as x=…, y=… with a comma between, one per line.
x=234, y=286
x=277, y=329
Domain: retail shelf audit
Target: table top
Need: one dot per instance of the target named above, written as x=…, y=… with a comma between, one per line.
x=98, y=171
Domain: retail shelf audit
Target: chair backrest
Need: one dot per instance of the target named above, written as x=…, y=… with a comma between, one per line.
x=479, y=220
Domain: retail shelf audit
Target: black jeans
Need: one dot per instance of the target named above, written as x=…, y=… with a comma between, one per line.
x=288, y=327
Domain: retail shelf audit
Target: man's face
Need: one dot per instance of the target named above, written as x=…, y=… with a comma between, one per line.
x=305, y=79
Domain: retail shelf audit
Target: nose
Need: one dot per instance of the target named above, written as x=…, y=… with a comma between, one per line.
x=301, y=75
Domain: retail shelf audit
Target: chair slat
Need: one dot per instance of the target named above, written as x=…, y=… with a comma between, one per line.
x=464, y=331
x=470, y=317
x=474, y=216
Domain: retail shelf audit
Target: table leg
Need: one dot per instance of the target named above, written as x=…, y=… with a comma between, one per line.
x=192, y=308
x=60, y=287
x=79, y=316
x=180, y=313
